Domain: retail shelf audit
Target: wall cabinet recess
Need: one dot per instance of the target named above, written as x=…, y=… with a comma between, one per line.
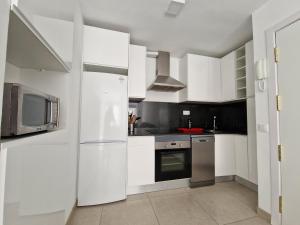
x=141, y=165
x=228, y=77
x=202, y=77
x=137, y=72
x=27, y=47
x=104, y=49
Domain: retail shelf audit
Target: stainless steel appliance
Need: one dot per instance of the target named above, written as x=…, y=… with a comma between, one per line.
x=203, y=160
x=27, y=111
x=172, y=157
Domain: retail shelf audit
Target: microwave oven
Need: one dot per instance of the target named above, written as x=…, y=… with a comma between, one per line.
x=27, y=111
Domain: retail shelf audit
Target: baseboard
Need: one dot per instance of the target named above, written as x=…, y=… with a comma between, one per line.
x=246, y=183
x=158, y=186
x=225, y=179
x=71, y=214
x=264, y=215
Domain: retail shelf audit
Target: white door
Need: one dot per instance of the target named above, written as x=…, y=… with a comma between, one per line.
x=241, y=156
x=228, y=77
x=288, y=77
x=102, y=173
x=103, y=108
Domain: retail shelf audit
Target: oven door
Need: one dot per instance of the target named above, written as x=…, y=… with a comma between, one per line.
x=171, y=164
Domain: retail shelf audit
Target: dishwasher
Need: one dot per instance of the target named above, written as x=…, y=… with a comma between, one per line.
x=203, y=160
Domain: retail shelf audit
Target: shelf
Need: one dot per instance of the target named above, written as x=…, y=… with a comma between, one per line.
x=241, y=68
x=242, y=57
x=28, y=49
x=240, y=78
x=241, y=88
x=89, y=67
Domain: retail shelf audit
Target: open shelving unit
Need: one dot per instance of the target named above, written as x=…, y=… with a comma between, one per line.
x=240, y=77
x=27, y=48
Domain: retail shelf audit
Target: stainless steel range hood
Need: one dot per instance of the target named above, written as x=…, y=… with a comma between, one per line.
x=163, y=81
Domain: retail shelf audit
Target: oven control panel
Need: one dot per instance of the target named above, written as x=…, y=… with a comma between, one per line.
x=172, y=145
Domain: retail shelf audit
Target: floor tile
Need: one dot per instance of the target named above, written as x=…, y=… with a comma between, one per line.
x=168, y=192
x=86, y=216
x=252, y=221
x=180, y=209
x=132, y=212
x=222, y=206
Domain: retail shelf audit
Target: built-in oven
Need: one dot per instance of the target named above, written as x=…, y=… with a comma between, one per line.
x=172, y=157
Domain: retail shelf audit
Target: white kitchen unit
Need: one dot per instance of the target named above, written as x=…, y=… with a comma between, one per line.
x=225, y=164
x=105, y=48
x=202, y=77
x=252, y=150
x=103, y=139
x=250, y=74
x=141, y=164
x=137, y=72
x=228, y=77
x=241, y=156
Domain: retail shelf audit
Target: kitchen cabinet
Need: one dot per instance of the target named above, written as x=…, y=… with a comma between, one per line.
x=228, y=77
x=141, y=164
x=225, y=155
x=241, y=156
x=105, y=48
x=201, y=75
x=250, y=75
x=137, y=72
x=252, y=150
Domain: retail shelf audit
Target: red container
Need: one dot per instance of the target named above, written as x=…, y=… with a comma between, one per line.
x=191, y=130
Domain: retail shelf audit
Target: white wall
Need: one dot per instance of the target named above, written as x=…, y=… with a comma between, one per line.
x=157, y=96
x=264, y=18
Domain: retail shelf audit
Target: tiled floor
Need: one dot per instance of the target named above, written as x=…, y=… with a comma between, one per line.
x=223, y=203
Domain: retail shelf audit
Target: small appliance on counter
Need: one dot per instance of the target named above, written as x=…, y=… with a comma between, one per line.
x=26, y=110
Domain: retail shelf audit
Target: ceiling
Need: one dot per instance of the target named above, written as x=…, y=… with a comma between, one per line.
x=208, y=27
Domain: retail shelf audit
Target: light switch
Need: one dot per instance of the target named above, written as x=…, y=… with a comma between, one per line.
x=186, y=112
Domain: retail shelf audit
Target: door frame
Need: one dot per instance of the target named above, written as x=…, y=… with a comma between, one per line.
x=273, y=115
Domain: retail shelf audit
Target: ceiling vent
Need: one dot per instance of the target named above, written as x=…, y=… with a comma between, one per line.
x=175, y=7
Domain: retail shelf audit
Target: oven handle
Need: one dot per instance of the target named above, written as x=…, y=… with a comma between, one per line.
x=55, y=120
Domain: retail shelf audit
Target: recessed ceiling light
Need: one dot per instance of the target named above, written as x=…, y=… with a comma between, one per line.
x=175, y=7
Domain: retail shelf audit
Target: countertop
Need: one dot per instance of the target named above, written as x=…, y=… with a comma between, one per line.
x=158, y=132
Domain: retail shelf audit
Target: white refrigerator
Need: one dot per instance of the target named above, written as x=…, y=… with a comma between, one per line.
x=103, y=139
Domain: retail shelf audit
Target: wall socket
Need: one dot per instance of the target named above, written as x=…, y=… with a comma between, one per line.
x=186, y=112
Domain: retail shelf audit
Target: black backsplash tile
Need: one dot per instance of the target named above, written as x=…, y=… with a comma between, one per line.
x=230, y=117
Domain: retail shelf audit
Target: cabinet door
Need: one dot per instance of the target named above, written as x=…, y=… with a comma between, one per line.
x=137, y=72
x=252, y=150
x=241, y=154
x=105, y=47
x=224, y=155
x=214, y=80
x=250, y=69
x=141, y=165
x=198, y=77
x=228, y=77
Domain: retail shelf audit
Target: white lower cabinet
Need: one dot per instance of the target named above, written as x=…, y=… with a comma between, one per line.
x=241, y=156
x=225, y=155
x=141, y=164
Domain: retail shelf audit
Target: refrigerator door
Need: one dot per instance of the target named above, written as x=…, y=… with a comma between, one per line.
x=102, y=173
x=104, y=104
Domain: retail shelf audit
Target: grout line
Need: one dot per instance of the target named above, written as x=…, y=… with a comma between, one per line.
x=199, y=204
x=101, y=215
x=148, y=197
x=252, y=217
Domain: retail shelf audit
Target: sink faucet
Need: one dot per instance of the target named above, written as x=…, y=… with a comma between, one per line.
x=214, y=126
x=190, y=123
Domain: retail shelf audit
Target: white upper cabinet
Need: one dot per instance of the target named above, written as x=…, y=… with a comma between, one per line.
x=228, y=77
x=250, y=69
x=201, y=75
x=137, y=72
x=105, y=48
